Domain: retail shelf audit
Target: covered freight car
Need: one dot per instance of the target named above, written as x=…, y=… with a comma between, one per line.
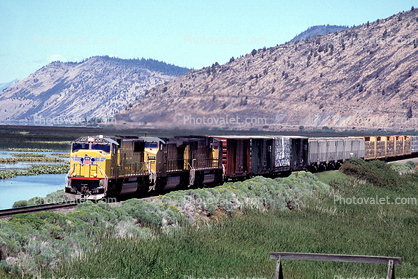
x=330, y=152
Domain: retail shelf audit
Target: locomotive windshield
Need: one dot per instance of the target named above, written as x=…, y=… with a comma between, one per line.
x=103, y=147
x=78, y=146
x=151, y=145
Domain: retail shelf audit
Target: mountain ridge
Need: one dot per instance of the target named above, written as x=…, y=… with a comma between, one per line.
x=318, y=30
x=362, y=77
x=95, y=88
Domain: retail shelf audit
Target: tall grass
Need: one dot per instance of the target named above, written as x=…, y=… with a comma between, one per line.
x=151, y=239
x=240, y=245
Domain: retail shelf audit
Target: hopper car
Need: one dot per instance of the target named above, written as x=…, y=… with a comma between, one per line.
x=116, y=166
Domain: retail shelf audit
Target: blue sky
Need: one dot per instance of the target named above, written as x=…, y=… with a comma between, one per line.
x=190, y=33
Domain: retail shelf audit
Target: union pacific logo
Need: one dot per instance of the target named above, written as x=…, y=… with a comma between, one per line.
x=87, y=160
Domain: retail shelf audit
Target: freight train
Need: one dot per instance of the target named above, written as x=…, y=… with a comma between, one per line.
x=103, y=166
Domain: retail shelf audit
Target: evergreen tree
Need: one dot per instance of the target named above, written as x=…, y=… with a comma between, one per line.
x=409, y=113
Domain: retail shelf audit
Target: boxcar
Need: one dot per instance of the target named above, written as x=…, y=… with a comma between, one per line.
x=261, y=155
x=290, y=153
x=236, y=156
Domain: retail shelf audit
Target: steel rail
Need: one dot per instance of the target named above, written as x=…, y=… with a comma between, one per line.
x=35, y=208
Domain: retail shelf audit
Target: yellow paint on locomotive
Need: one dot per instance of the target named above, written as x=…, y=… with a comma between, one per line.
x=91, y=167
x=215, y=154
x=150, y=156
x=186, y=157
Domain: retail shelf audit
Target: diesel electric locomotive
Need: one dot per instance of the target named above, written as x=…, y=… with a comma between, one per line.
x=112, y=166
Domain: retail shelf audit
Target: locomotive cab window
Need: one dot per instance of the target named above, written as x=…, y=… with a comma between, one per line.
x=103, y=147
x=78, y=146
x=151, y=145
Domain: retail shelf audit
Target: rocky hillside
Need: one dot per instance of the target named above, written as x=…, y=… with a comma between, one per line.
x=366, y=76
x=318, y=30
x=67, y=93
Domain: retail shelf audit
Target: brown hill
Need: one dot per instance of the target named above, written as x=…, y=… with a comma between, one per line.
x=68, y=93
x=364, y=76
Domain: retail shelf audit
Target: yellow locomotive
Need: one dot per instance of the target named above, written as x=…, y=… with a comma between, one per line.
x=112, y=166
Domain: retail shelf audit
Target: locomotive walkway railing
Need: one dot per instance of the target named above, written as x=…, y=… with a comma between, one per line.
x=183, y=164
x=279, y=256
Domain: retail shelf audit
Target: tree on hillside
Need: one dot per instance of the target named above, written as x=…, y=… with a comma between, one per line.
x=409, y=113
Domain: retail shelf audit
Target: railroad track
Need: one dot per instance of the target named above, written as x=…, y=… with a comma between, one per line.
x=35, y=208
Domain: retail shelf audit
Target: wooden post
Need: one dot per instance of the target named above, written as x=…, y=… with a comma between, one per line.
x=390, y=261
x=278, y=274
x=391, y=270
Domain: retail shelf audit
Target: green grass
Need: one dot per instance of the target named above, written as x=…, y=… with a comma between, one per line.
x=239, y=246
x=150, y=239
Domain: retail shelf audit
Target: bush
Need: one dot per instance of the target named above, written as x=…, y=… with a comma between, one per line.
x=376, y=172
x=20, y=203
x=410, y=165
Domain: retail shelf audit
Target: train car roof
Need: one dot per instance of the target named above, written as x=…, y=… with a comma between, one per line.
x=95, y=139
x=154, y=139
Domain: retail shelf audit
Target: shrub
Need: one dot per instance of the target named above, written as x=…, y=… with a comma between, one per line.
x=376, y=172
x=20, y=203
x=410, y=165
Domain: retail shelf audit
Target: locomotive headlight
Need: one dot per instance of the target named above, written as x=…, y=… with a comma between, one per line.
x=95, y=175
x=74, y=173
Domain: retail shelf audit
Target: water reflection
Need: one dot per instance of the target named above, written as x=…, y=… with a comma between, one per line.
x=27, y=187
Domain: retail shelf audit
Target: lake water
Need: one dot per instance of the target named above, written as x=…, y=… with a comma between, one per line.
x=27, y=187
x=26, y=165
